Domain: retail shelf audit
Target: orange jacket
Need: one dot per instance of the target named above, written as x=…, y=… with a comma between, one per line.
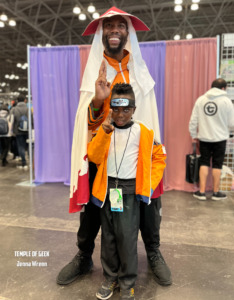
x=150, y=165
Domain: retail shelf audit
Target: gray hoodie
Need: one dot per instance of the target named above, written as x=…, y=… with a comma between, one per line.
x=212, y=116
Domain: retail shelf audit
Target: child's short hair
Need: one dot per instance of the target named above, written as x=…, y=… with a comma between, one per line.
x=123, y=89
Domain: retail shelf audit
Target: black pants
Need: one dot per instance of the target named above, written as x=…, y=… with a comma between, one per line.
x=119, y=241
x=5, y=142
x=90, y=222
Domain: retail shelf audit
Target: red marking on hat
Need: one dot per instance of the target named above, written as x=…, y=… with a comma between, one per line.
x=114, y=11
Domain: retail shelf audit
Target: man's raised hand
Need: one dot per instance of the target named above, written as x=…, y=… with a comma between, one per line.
x=106, y=125
x=102, y=87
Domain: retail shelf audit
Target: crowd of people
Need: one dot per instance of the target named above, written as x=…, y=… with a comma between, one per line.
x=14, y=131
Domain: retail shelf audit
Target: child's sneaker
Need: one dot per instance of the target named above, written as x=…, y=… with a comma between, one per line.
x=200, y=196
x=107, y=289
x=218, y=196
x=127, y=294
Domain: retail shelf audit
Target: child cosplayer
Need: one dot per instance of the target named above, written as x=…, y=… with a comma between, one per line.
x=130, y=166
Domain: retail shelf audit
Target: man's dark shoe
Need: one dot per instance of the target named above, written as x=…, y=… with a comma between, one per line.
x=160, y=269
x=218, y=196
x=80, y=265
x=200, y=196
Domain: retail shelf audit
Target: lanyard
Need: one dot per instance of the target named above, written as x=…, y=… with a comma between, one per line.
x=117, y=170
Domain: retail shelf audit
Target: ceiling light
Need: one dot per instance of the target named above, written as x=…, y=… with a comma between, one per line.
x=194, y=6
x=16, y=77
x=48, y=45
x=3, y=17
x=76, y=10
x=195, y=1
x=12, y=23
x=82, y=17
x=178, y=1
x=96, y=15
x=91, y=8
x=2, y=24
x=4, y=83
x=38, y=45
x=0, y=90
x=177, y=37
x=19, y=65
x=26, y=65
x=12, y=76
x=178, y=8
x=7, y=76
x=189, y=36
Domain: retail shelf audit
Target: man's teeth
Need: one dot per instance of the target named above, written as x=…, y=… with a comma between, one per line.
x=114, y=39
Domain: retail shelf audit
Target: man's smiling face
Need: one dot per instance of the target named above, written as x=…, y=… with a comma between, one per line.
x=115, y=33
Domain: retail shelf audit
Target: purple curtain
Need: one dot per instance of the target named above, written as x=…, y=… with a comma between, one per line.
x=154, y=54
x=55, y=80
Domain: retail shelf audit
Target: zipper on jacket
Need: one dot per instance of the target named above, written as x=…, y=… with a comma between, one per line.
x=106, y=191
x=151, y=169
x=122, y=73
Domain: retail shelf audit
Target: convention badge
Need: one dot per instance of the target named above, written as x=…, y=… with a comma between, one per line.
x=116, y=200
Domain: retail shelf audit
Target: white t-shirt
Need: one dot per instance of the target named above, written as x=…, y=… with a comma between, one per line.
x=129, y=164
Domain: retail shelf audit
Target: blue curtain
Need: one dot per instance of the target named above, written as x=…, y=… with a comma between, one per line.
x=55, y=83
x=154, y=54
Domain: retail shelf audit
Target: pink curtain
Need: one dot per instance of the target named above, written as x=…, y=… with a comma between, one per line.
x=84, y=54
x=190, y=68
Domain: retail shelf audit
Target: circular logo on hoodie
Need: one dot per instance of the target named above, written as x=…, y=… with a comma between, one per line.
x=210, y=109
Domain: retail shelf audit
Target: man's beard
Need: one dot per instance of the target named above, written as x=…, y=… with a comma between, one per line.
x=123, y=41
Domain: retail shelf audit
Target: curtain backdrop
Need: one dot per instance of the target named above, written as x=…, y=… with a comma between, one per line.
x=189, y=70
x=55, y=81
x=182, y=70
x=154, y=54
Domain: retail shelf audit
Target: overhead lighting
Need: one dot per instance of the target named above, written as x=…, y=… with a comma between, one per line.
x=82, y=17
x=7, y=76
x=91, y=8
x=0, y=90
x=178, y=1
x=195, y=1
x=2, y=24
x=189, y=36
x=19, y=65
x=95, y=15
x=12, y=77
x=4, y=83
x=76, y=10
x=177, y=37
x=178, y=8
x=12, y=23
x=194, y=6
x=16, y=77
x=48, y=45
x=38, y=45
x=3, y=17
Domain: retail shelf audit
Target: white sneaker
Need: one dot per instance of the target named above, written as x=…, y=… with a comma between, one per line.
x=25, y=168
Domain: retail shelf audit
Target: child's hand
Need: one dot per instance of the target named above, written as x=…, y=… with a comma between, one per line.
x=106, y=125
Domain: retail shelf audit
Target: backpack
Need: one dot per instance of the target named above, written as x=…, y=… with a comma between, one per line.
x=23, y=123
x=3, y=126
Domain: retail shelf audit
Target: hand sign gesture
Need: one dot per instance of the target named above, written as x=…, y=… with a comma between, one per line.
x=106, y=125
x=102, y=87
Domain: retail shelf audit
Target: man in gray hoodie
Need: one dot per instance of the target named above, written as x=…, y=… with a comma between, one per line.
x=210, y=122
x=20, y=112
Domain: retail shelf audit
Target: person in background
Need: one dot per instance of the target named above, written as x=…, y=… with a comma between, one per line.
x=115, y=57
x=6, y=122
x=212, y=116
x=20, y=128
